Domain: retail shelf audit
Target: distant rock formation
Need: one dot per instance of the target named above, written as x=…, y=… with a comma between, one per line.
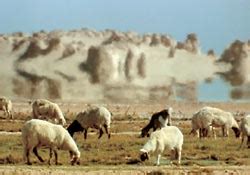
x=114, y=66
x=237, y=55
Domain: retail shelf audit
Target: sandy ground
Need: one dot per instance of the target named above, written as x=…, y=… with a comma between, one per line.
x=128, y=169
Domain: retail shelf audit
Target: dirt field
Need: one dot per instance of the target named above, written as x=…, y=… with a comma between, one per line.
x=119, y=155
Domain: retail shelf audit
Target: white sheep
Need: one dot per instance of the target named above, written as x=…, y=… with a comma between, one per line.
x=6, y=106
x=245, y=130
x=94, y=117
x=37, y=133
x=169, y=137
x=210, y=117
x=49, y=110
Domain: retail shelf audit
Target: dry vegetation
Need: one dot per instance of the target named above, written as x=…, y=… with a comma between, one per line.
x=120, y=153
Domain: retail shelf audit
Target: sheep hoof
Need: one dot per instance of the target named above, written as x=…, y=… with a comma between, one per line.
x=58, y=163
x=29, y=163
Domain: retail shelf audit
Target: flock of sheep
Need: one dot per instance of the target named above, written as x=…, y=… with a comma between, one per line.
x=38, y=132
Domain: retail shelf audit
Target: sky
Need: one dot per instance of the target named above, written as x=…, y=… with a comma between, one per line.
x=216, y=23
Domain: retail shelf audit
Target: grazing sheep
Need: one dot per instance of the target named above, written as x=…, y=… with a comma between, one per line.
x=37, y=133
x=198, y=123
x=158, y=120
x=169, y=137
x=245, y=129
x=94, y=117
x=209, y=117
x=6, y=106
x=47, y=109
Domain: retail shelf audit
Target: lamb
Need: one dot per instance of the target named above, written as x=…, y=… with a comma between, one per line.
x=158, y=120
x=50, y=110
x=169, y=137
x=94, y=117
x=6, y=106
x=209, y=117
x=245, y=129
x=37, y=133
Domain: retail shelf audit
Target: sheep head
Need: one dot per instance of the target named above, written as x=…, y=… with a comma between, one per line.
x=144, y=155
x=75, y=158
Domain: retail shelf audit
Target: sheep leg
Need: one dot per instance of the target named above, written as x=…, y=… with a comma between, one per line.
x=107, y=130
x=248, y=141
x=204, y=132
x=27, y=153
x=100, y=133
x=35, y=115
x=50, y=156
x=227, y=132
x=214, y=134
x=158, y=159
x=223, y=131
x=56, y=157
x=200, y=133
x=10, y=115
x=85, y=133
x=178, y=155
x=172, y=156
x=4, y=110
x=37, y=155
x=242, y=141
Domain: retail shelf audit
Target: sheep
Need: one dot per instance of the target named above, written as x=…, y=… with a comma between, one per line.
x=169, y=137
x=197, y=124
x=37, y=133
x=208, y=117
x=158, y=120
x=94, y=117
x=45, y=108
x=6, y=106
x=245, y=129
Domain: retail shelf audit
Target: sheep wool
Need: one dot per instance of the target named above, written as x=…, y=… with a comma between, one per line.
x=208, y=117
x=6, y=106
x=169, y=137
x=94, y=117
x=37, y=133
x=49, y=110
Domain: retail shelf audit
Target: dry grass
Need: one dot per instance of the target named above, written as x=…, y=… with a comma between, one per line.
x=123, y=147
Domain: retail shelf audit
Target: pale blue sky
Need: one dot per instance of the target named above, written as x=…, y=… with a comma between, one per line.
x=216, y=22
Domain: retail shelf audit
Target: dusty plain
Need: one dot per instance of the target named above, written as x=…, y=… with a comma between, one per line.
x=120, y=154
